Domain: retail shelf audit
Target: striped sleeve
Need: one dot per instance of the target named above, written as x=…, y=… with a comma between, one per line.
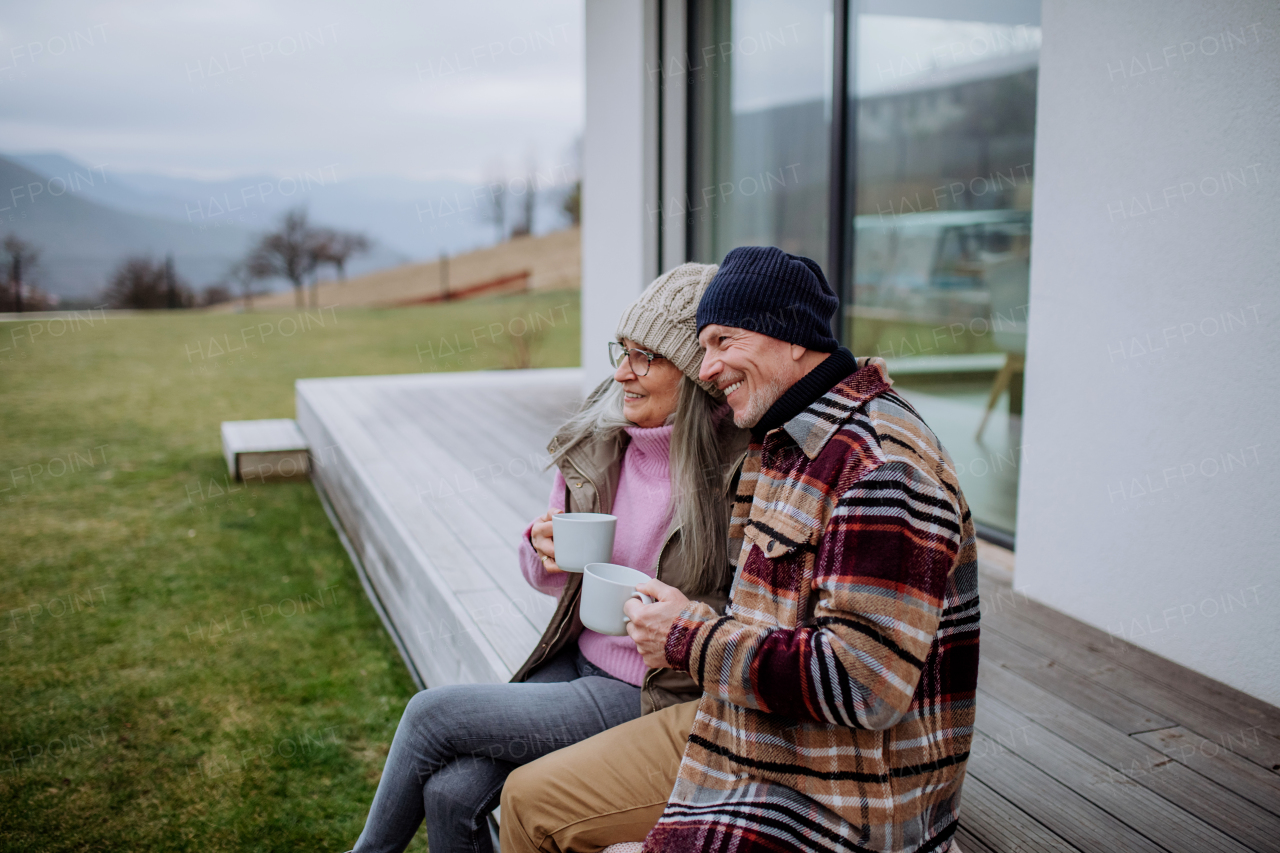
x=880, y=575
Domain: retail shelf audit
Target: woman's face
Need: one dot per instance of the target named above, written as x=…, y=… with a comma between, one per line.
x=647, y=401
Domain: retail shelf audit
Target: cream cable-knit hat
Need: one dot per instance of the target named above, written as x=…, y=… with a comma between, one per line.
x=665, y=319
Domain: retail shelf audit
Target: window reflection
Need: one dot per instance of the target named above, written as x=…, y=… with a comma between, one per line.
x=761, y=126
x=942, y=153
x=937, y=237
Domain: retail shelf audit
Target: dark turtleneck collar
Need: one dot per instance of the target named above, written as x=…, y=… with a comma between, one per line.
x=829, y=372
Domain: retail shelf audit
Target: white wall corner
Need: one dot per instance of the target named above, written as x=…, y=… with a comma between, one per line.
x=1147, y=502
x=620, y=170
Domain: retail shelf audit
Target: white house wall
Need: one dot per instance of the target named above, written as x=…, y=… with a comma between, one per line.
x=619, y=170
x=1149, y=504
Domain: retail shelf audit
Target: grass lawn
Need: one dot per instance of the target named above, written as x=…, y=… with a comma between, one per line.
x=183, y=666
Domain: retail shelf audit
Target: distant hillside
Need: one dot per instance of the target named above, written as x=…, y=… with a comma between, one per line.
x=81, y=242
x=554, y=261
x=406, y=219
x=101, y=184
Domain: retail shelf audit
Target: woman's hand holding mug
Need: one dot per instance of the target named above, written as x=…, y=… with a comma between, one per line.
x=543, y=541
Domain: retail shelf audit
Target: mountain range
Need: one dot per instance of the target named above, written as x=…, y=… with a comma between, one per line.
x=86, y=219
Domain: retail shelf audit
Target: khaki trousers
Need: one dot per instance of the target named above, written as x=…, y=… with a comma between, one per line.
x=604, y=790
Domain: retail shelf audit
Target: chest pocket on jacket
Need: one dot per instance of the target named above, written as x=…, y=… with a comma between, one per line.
x=779, y=534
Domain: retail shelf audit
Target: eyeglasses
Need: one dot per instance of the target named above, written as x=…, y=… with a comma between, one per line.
x=639, y=359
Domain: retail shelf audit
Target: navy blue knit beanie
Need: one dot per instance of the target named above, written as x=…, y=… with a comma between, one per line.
x=763, y=289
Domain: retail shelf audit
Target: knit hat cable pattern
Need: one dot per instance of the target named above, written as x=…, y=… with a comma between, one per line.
x=664, y=319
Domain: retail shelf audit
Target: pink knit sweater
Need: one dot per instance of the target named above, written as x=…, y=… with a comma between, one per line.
x=643, y=507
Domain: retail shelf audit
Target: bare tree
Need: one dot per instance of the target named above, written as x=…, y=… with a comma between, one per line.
x=494, y=209
x=142, y=283
x=22, y=257
x=242, y=277
x=572, y=204
x=170, y=283
x=291, y=253
x=335, y=247
x=215, y=294
x=525, y=225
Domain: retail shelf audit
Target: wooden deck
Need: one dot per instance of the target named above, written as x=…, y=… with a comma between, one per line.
x=1085, y=743
x=433, y=478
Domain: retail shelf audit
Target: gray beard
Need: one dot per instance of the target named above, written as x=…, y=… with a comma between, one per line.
x=759, y=403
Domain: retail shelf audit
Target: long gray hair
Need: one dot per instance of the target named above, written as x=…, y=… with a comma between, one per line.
x=699, y=474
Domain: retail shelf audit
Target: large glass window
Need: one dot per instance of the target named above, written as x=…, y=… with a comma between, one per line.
x=942, y=166
x=760, y=74
x=932, y=195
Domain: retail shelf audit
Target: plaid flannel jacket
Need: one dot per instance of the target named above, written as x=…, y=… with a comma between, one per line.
x=839, y=687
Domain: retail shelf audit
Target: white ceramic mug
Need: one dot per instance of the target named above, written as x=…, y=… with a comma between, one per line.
x=582, y=537
x=605, y=588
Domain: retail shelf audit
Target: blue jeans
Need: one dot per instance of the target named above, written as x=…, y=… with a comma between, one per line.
x=456, y=744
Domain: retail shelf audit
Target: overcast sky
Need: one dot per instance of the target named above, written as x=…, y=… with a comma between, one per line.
x=217, y=89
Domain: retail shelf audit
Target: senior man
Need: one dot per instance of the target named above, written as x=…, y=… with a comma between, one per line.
x=839, y=684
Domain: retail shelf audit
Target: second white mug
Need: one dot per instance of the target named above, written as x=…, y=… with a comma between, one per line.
x=605, y=588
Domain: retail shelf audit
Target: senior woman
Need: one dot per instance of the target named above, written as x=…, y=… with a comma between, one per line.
x=653, y=446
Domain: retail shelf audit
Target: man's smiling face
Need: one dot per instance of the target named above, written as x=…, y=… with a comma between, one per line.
x=753, y=370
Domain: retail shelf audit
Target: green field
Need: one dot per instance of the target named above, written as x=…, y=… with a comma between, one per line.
x=187, y=663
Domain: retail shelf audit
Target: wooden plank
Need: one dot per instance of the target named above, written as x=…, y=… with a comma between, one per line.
x=443, y=485
x=1218, y=762
x=1092, y=698
x=521, y=418
x=412, y=590
x=484, y=496
x=277, y=465
x=450, y=487
x=540, y=404
x=547, y=408
x=392, y=476
x=1131, y=759
x=1214, y=721
x=1249, y=710
x=1002, y=826
x=412, y=553
x=506, y=623
x=476, y=516
x=1169, y=825
x=478, y=524
x=542, y=408
x=483, y=538
x=486, y=439
x=1051, y=804
x=968, y=843
x=470, y=463
x=546, y=378
x=489, y=411
x=372, y=472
